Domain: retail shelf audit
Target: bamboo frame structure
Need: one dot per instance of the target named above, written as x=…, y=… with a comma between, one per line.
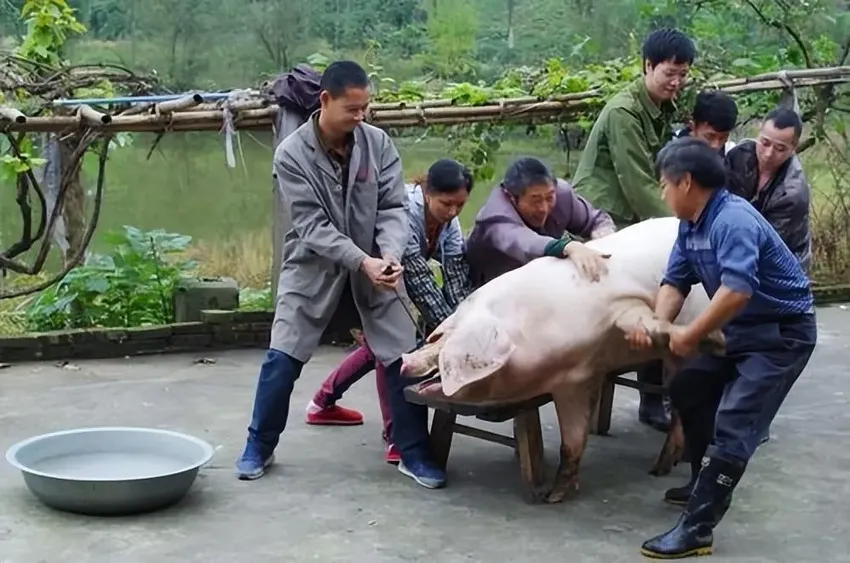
x=190, y=113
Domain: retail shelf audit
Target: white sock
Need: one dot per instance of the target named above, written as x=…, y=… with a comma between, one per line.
x=313, y=408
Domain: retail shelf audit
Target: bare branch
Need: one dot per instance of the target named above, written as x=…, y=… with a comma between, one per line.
x=783, y=26
x=78, y=257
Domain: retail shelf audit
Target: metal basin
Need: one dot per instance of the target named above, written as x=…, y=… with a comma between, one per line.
x=110, y=471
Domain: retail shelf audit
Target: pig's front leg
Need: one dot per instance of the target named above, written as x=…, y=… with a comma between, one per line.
x=573, y=406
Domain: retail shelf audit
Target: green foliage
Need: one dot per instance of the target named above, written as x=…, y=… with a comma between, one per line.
x=130, y=286
x=49, y=25
x=452, y=30
x=255, y=299
x=476, y=145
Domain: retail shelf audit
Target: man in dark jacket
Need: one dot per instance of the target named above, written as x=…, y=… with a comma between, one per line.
x=712, y=120
x=767, y=172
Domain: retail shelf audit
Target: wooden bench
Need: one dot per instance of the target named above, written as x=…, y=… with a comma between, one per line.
x=527, y=439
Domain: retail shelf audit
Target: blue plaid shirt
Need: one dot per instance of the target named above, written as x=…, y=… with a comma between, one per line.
x=731, y=244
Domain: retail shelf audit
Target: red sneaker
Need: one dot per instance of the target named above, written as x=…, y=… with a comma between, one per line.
x=335, y=416
x=393, y=456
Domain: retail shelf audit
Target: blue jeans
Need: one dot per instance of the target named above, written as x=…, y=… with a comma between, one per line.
x=727, y=403
x=274, y=390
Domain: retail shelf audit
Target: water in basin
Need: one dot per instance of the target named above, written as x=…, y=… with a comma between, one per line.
x=112, y=466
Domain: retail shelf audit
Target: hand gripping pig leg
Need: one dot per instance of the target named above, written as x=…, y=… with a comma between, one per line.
x=573, y=405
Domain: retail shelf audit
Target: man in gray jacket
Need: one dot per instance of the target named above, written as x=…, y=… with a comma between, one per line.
x=343, y=182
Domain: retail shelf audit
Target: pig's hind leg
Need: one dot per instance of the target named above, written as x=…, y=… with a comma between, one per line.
x=674, y=446
x=573, y=405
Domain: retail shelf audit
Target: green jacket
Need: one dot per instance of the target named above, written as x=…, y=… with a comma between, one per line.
x=617, y=168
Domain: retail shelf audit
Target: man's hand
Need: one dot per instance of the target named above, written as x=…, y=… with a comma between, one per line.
x=590, y=262
x=639, y=339
x=682, y=343
x=383, y=273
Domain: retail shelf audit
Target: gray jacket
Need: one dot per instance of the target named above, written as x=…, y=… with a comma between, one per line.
x=330, y=237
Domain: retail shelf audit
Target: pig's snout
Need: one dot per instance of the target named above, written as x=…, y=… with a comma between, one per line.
x=413, y=366
x=408, y=366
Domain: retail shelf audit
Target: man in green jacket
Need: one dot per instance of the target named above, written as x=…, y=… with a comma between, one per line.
x=616, y=172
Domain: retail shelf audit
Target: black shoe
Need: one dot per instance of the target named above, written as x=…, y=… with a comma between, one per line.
x=693, y=533
x=679, y=495
x=654, y=411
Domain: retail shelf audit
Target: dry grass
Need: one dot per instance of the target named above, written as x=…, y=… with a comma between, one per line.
x=829, y=174
x=246, y=258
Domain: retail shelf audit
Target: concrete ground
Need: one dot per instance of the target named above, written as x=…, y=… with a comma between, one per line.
x=331, y=498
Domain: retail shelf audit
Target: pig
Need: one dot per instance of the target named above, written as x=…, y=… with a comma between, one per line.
x=544, y=328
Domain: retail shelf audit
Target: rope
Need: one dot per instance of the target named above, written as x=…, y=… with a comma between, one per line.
x=789, y=91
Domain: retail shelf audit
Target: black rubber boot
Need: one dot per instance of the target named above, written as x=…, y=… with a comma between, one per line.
x=680, y=495
x=693, y=533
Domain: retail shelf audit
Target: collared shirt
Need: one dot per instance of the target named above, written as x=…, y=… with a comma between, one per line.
x=340, y=160
x=616, y=171
x=731, y=244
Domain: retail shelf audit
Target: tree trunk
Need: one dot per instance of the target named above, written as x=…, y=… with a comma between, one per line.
x=74, y=207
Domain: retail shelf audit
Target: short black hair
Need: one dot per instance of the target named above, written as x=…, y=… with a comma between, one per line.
x=689, y=155
x=342, y=75
x=524, y=172
x=717, y=109
x=783, y=118
x=668, y=44
x=448, y=176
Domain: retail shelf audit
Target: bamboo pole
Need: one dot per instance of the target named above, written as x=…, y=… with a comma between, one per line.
x=188, y=113
x=13, y=115
x=179, y=104
x=91, y=116
x=779, y=85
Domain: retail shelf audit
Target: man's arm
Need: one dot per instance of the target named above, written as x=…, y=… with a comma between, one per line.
x=634, y=165
x=391, y=226
x=583, y=219
x=310, y=220
x=676, y=284
x=516, y=240
x=736, y=244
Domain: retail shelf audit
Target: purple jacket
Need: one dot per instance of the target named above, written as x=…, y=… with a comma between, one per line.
x=501, y=241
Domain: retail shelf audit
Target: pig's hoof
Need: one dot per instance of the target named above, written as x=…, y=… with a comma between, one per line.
x=661, y=468
x=559, y=493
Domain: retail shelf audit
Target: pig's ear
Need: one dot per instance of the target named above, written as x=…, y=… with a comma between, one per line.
x=475, y=351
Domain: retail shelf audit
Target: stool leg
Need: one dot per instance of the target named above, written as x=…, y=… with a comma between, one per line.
x=529, y=444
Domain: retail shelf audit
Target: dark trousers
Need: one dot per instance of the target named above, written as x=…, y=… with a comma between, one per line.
x=652, y=373
x=274, y=390
x=727, y=404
